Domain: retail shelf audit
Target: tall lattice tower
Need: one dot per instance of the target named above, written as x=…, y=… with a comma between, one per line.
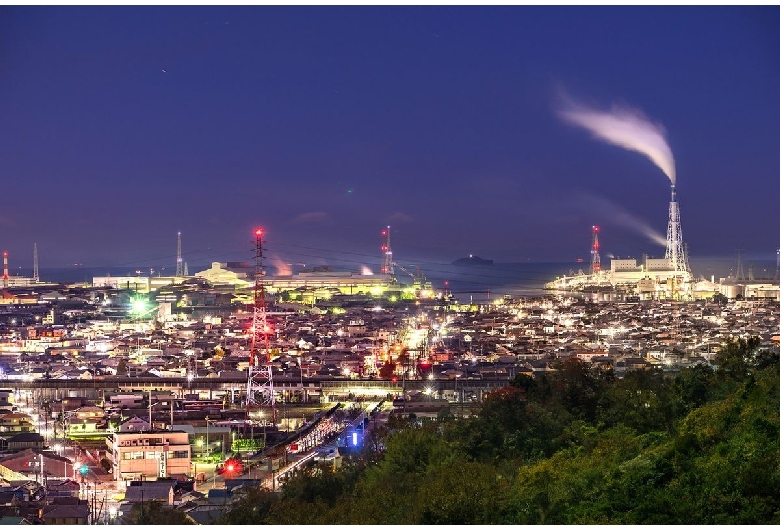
x=5, y=270
x=740, y=272
x=777, y=267
x=260, y=383
x=179, y=262
x=387, y=264
x=595, y=257
x=675, y=249
x=36, y=277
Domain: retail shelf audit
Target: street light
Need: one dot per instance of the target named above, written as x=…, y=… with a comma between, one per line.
x=208, y=448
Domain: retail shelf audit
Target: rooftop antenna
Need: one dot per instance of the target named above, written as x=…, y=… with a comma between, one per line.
x=36, y=278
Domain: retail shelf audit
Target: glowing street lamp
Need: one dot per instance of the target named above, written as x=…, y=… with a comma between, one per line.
x=139, y=305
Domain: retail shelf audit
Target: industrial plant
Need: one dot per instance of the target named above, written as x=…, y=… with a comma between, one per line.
x=650, y=278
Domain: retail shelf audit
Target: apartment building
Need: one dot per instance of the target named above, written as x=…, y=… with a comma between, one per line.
x=145, y=454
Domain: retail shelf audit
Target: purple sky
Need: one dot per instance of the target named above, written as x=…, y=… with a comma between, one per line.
x=124, y=125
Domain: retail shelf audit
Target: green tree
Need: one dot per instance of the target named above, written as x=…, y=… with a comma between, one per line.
x=154, y=512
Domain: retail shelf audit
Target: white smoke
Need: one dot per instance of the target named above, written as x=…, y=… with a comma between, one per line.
x=365, y=271
x=619, y=216
x=282, y=268
x=625, y=127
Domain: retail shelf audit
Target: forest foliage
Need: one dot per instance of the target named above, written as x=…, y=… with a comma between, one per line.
x=574, y=446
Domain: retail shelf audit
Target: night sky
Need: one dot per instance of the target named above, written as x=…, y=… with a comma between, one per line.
x=124, y=125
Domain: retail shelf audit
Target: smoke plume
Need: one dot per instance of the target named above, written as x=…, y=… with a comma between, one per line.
x=625, y=127
x=618, y=216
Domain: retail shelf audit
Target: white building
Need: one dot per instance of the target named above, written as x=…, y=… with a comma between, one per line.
x=139, y=453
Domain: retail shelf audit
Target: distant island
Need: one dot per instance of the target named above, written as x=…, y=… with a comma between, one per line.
x=472, y=260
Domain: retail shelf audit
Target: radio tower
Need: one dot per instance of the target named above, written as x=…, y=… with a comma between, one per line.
x=387, y=265
x=595, y=257
x=36, y=278
x=740, y=272
x=179, y=263
x=260, y=384
x=675, y=250
x=777, y=267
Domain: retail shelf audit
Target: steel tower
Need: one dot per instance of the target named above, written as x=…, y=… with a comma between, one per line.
x=387, y=265
x=36, y=278
x=675, y=249
x=595, y=257
x=179, y=263
x=777, y=267
x=5, y=270
x=260, y=384
x=740, y=273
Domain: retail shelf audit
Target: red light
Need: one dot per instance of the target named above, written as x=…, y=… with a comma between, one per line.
x=232, y=467
x=259, y=232
x=384, y=232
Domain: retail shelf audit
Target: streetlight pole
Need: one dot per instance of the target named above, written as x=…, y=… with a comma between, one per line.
x=208, y=448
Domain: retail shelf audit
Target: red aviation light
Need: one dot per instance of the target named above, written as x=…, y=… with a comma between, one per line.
x=259, y=232
x=384, y=232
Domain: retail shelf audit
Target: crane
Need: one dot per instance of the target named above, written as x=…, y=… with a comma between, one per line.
x=421, y=285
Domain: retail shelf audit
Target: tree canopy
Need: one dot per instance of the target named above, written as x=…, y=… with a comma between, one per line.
x=574, y=446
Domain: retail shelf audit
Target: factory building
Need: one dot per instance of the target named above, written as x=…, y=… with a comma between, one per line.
x=241, y=274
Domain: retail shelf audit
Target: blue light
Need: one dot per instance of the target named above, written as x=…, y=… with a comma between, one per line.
x=354, y=438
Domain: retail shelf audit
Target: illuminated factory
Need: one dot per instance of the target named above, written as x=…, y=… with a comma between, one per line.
x=665, y=277
x=323, y=282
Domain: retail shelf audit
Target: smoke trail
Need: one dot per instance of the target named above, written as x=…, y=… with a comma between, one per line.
x=282, y=268
x=624, y=127
x=619, y=216
x=365, y=271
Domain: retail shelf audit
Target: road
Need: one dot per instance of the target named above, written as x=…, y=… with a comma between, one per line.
x=324, y=433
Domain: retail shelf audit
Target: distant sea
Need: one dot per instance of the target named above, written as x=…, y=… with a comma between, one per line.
x=465, y=282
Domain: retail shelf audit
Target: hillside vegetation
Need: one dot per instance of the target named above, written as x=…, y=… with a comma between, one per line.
x=576, y=446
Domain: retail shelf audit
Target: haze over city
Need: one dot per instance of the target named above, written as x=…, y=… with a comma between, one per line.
x=125, y=125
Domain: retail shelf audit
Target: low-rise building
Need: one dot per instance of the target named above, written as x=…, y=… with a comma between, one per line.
x=149, y=453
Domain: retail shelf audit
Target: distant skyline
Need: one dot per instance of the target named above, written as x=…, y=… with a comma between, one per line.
x=125, y=125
